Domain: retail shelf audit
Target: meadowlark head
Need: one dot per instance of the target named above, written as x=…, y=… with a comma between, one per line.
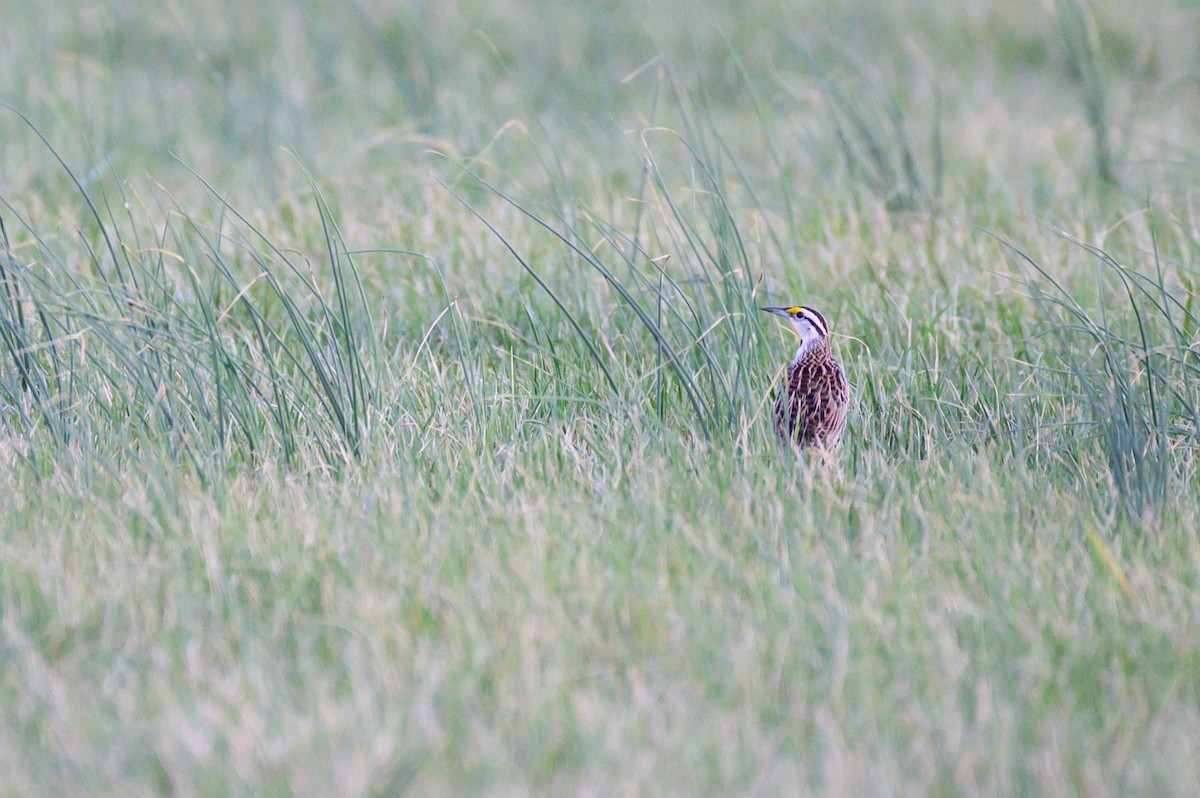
x=810, y=325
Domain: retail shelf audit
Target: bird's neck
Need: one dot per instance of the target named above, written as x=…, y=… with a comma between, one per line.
x=810, y=349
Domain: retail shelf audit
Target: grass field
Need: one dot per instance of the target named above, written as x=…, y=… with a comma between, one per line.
x=384, y=407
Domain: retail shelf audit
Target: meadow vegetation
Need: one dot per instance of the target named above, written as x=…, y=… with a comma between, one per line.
x=385, y=408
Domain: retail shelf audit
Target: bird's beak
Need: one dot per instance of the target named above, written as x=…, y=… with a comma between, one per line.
x=776, y=311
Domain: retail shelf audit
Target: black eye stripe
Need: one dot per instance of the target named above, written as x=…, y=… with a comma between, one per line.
x=815, y=316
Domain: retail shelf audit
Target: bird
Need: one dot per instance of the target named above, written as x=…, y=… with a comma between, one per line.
x=810, y=412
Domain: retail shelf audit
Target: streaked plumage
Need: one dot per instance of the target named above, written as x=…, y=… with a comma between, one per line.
x=811, y=410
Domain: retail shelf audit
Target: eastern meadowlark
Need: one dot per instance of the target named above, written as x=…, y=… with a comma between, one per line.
x=811, y=410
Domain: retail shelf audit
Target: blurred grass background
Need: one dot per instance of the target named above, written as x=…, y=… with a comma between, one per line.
x=384, y=408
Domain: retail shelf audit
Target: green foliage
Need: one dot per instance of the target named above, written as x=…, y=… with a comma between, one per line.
x=1081, y=41
x=385, y=407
